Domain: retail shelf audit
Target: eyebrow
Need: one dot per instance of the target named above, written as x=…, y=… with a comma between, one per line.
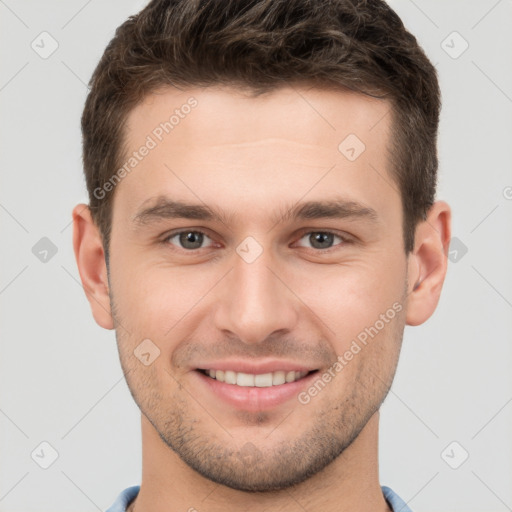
x=163, y=208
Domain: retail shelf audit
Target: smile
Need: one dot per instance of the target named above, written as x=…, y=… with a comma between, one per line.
x=262, y=380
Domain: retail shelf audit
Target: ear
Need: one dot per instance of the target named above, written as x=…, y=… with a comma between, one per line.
x=428, y=263
x=92, y=267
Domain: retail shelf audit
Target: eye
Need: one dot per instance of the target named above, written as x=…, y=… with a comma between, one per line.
x=322, y=240
x=188, y=239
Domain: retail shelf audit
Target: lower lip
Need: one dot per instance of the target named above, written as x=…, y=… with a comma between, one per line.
x=254, y=398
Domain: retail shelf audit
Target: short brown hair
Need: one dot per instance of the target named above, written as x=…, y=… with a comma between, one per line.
x=260, y=45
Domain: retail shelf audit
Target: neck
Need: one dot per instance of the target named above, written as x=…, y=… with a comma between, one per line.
x=349, y=483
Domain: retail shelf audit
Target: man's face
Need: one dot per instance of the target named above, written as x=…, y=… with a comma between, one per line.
x=263, y=283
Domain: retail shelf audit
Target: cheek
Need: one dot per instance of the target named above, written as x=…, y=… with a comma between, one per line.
x=348, y=299
x=152, y=299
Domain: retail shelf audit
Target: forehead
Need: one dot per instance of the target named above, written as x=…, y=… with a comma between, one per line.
x=320, y=117
x=222, y=145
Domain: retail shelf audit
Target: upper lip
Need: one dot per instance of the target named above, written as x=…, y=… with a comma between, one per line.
x=256, y=367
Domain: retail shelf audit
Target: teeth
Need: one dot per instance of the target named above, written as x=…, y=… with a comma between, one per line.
x=229, y=377
x=278, y=378
x=263, y=380
x=244, y=379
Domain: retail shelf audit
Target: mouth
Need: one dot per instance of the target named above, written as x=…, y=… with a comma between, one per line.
x=262, y=380
x=252, y=392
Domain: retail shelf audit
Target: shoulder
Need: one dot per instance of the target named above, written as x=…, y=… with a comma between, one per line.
x=396, y=503
x=124, y=499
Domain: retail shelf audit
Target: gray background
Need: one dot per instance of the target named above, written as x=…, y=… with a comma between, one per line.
x=61, y=381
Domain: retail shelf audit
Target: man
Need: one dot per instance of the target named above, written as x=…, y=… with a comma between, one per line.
x=261, y=227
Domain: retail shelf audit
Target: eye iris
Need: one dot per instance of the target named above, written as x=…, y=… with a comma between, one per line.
x=191, y=237
x=319, y=238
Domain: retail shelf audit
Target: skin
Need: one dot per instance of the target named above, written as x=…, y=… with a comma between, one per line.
x=256, y=158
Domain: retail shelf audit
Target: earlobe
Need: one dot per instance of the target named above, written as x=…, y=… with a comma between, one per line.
x=90, y=258
x=428, y=263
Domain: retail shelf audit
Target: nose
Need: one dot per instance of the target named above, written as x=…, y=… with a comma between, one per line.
x=256, y=301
